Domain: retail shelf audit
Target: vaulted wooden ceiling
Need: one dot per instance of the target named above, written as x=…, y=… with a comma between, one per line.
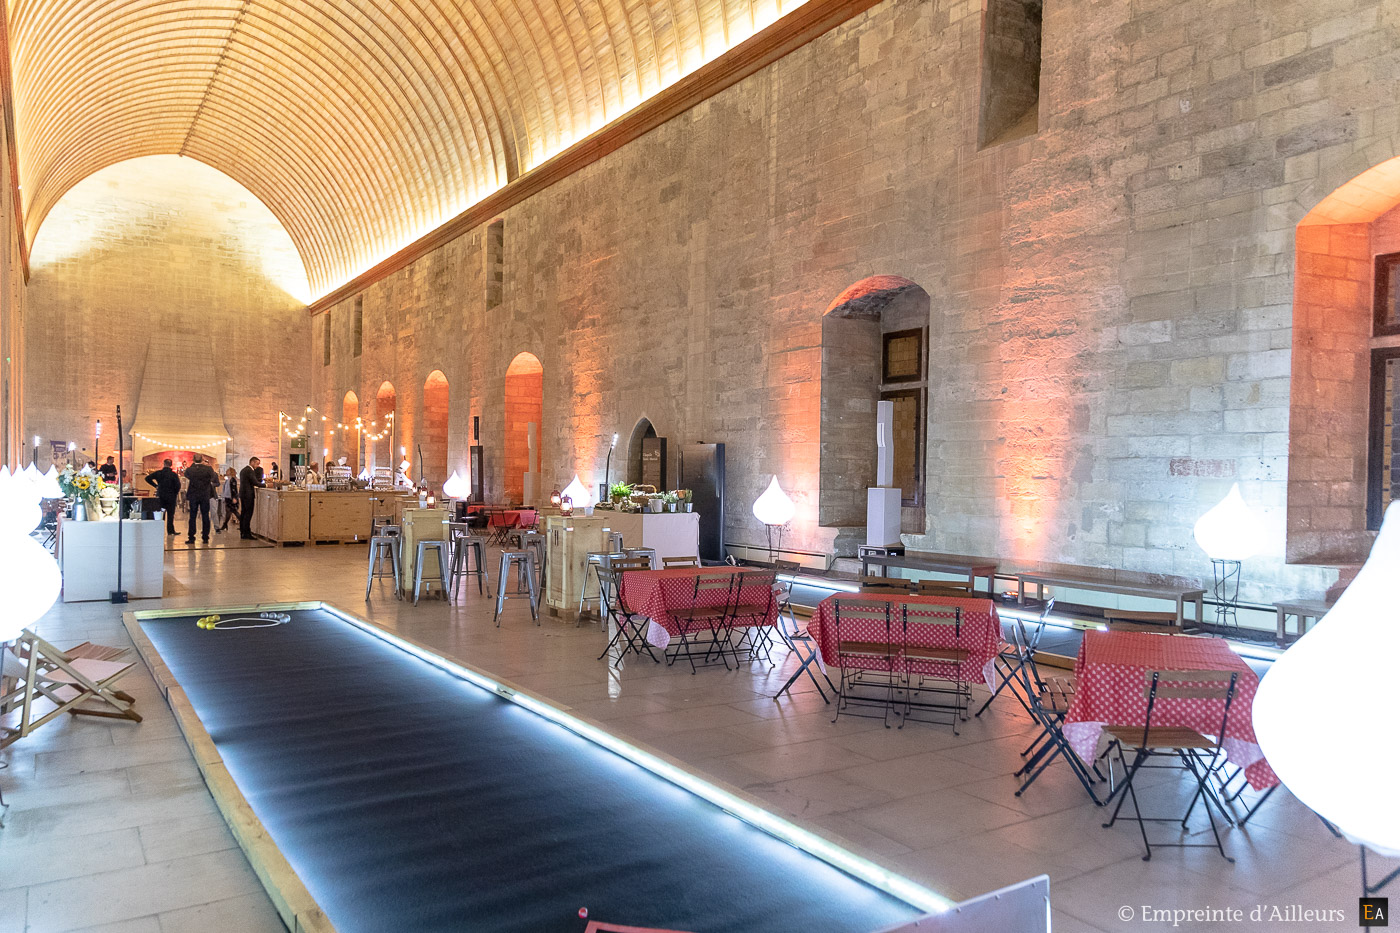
x=361, y=124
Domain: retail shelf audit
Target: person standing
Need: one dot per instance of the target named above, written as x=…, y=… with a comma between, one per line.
x=109, y=471
x=167, y=485
x=228, y=492
x=249, y=478
x=203, y=482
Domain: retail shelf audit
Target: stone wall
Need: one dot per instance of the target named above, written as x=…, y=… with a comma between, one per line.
x=164, y=245
x=1110, y=297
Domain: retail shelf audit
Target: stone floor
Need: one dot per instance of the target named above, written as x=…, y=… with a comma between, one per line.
x=110, y=827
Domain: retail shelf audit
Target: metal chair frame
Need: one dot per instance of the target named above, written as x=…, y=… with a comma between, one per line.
x=1011, y=659
x=797, y=634
x=628, y=622
x=524, y=585
x=377, y=546
x=444, y=577
x=717, y=617
x=463, y=541
x=927, y=614
x=752, y=616
x=864, y=654
x=1201, y=685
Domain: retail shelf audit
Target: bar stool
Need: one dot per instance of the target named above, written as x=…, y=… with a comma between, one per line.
x=440, y=549
x=533, y=542
x=596, y=560
x=466, y=546
x=381, y=547
x=524, y=563
x=648, y=552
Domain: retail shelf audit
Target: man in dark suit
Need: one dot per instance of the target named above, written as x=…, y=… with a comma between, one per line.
x=203, y=484
x=167, y=485
x=249, y=478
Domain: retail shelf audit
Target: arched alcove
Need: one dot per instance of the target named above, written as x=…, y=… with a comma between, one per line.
x=349, y=438
x=379, y=445
x=636, y=471
x=874, y=347
x=524, y=405
x=433, y=435
x=1343, y=454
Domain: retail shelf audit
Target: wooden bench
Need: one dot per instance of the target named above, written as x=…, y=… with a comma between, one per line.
x=1179, y=595
x=970, y=567
x=1304, y=609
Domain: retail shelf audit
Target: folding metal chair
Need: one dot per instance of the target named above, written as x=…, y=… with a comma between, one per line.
x=1047, y=699
x=668, y=563
x=928, y=623
x=792, y=636
x=753, y=604
x=864, y=643
x=703, y=614
x=631, y=625
x=1010, y=659
x=1199, y=755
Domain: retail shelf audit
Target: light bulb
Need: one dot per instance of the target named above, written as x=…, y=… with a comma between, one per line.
x=578, y=492
x=773, y=507
x=456, y=487
x=1230, y=530
x=1340, y=759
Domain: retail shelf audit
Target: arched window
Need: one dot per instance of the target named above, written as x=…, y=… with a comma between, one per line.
x=524, y=406
x=380, y=451
x=433, y=437
x=348, y=437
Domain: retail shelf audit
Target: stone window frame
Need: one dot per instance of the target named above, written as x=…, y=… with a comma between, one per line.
x=1387, y=286
x=1375, y=448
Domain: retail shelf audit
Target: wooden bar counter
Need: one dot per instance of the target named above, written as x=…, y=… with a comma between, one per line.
x=298, y=516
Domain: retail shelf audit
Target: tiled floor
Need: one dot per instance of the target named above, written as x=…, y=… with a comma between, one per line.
x=111, y=827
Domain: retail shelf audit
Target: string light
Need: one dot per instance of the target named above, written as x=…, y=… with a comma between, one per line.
x=179, y=444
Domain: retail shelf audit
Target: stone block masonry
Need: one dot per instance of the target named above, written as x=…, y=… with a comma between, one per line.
x=1109, y=317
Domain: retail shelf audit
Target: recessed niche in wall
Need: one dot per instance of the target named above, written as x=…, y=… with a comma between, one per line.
x=359, y=324
x=1010, y=107
x=495, y=263
x=326, y=339
x=1387, y=299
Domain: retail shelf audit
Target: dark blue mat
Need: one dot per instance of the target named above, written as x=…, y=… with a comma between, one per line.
x=409, y=799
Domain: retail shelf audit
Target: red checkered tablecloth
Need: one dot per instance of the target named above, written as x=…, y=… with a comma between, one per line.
x=979, y=634
x=1110, y=681
x=653, y=593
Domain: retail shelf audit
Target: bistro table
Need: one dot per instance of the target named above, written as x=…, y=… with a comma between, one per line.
x=654, y=593
x=1111, y=677
x=980, y=634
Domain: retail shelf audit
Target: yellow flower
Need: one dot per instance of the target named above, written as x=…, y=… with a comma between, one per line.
x=81, y=482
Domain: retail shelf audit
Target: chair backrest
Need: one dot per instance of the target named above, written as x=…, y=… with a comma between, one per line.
x=941, y=588
x=624, y=564
x=860, y=617
x=915, y=614
x=870, y=584
x=1189, y=685
x=668, y=562
x=755, y=587
x=707, y=589
x=1128, y=620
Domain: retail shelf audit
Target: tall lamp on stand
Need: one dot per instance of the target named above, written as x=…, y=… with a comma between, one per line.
x=775, y=510
x=605, y=490
x=97, y=443
x=1229, y=533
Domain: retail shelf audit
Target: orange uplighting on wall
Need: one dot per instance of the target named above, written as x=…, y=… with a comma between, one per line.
x=523, y=405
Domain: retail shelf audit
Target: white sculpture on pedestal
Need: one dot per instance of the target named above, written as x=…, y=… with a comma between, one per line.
x=883, y=500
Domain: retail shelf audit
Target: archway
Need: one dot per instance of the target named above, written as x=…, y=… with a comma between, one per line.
x=874, y=348
x=524, y=405
x=433, y=436
x=646, y=456
x=381, y=430
x=349, y=437
x=1343, y=451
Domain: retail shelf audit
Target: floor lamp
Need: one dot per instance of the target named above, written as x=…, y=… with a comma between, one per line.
x=774, y=509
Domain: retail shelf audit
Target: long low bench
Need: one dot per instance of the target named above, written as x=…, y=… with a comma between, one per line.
x=929, y=562
x=1177, y=594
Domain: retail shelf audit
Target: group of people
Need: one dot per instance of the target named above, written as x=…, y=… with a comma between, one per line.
x=204, y=486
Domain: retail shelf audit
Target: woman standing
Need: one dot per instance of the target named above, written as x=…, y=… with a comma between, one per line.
x=228, y=493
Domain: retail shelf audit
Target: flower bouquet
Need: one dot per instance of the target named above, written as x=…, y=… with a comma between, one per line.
x=83, y=486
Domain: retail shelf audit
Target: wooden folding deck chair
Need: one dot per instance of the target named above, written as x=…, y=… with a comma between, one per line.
x=81, y=681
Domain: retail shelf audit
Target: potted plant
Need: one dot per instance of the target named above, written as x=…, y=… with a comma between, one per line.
x=83, y=487
x=685, y=496
x=669, y=500
x=619, y=493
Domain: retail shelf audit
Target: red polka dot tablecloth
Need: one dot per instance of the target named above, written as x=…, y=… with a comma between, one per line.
x=654, y=593
x=979, y=633
x=1110, y=681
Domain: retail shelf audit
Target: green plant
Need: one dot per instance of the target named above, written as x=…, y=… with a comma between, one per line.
x=670, y=498
x=620, y=491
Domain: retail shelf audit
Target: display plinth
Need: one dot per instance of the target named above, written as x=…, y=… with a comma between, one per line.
x=87, y=556
x=882, y=516
x=420, y=525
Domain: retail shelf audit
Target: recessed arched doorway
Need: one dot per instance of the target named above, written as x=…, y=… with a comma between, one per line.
x=874, y=348
x=1343, y=449
x=524, y=406
x=349, y=436
x=380, y=447
x=646, y=456
x=433, y=436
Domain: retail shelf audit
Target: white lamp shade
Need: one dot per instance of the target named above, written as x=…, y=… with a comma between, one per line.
x=48, y=487
x=773, y=507
x=1341, y=758
x=19, y=506
x=578, y=493
x=456, y=487
x=30, y=580
x=1230, y=530
x=364, y=474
